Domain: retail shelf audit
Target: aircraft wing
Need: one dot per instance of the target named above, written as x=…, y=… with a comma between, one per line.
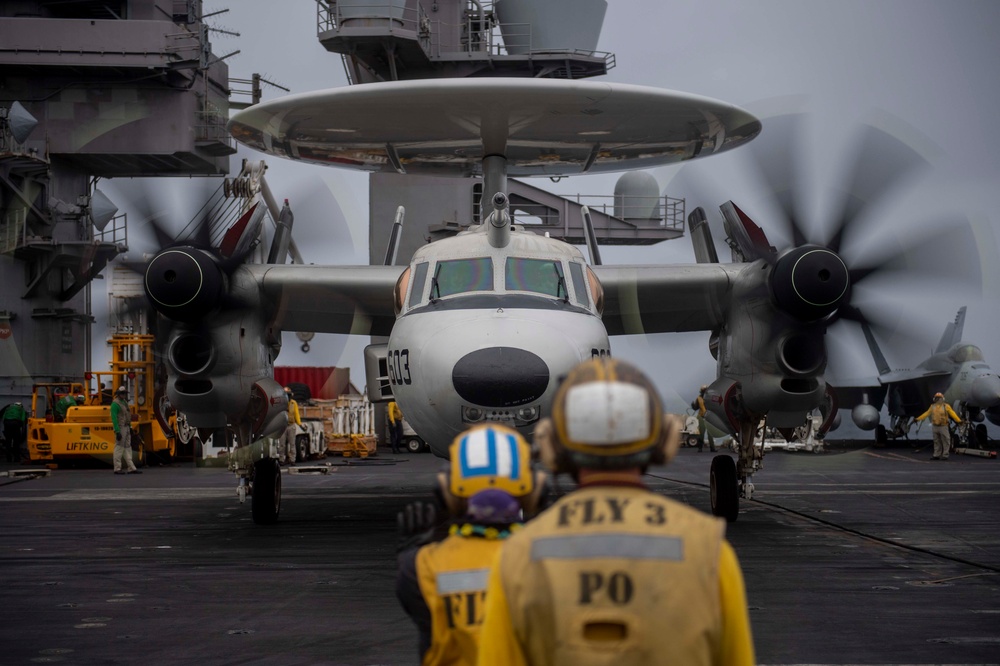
x=665, y=299
x=330, y=299
x=911, y=376
x=857, y=394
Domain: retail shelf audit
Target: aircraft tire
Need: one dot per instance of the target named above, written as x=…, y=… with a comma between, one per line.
x=414, y=444
x=724, y=489
x=265, y=502
x=881, y=436
x=982, y=436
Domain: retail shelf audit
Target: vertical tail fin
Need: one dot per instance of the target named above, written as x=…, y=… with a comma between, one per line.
x=591, y=237
x=952, y=332
x=392, y=249
x=701, y=238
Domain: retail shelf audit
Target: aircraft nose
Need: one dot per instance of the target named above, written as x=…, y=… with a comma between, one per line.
x=986, y=391
x=500, y=377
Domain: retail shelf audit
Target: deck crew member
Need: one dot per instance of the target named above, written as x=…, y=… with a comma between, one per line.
x=286, y=445
x=15, y=422
x=62, y=406
x=612, y=573
x=488, y=491
x=121, y=421
x=395, y=416
x=699, y=404
x=940, y=411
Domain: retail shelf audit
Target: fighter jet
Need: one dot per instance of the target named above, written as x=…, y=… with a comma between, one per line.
x=956, y=368
x=482, y=326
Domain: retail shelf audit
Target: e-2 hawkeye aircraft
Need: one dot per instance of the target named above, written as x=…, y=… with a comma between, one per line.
x=956, y=368
x=482, y=326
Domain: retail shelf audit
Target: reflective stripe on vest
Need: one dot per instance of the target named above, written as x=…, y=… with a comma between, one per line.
x=628, y=546
x=471, y=580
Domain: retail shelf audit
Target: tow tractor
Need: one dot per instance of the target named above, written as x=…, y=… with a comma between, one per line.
x=86, y=433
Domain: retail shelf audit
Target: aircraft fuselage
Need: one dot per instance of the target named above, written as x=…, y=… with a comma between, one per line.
x=486, y=334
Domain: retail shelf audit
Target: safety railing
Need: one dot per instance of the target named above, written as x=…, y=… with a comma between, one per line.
x=480, y=32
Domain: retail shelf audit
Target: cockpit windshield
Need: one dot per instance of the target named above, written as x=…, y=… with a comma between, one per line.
x=967, y=353
x=461, y=275
x=542, y=276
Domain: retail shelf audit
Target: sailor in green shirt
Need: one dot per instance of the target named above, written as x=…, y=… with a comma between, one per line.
x=15, y=421
x=62, y=405
x=121, y=421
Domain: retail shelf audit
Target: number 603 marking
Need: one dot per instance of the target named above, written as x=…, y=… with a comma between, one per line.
x=398, y=363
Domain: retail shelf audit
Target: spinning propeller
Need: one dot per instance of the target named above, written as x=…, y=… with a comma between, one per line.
x=825, y=259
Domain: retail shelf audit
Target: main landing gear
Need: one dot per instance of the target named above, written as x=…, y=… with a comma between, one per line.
x=265, y=491
x=259, y=478
x=731, y=479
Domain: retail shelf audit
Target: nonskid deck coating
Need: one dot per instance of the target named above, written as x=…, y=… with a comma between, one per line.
x=856, y=556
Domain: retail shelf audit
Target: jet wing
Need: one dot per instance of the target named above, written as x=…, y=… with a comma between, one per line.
x=914, y=376
x=665, y=299
x=857, y=394
x=330, y=299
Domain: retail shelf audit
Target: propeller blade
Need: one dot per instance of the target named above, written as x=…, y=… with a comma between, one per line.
x=879, y=162
x=774, y=157
x=946, y=251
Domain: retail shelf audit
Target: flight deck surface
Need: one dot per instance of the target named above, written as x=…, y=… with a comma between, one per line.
x=855, y=556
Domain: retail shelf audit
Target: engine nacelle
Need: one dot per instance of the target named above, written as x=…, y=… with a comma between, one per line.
x=810, y=282
x=184, y=283
x=268, y=411
x=865, y=417
x=220, y=368
x=724, y=400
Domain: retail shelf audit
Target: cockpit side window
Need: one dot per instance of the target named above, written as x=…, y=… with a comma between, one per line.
x=461, y=275
x=399, y=291
x=596, y=291
x=417, y=290
x=542, y=276
x=579, y=284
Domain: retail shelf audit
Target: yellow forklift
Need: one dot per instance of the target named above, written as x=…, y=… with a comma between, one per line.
x=86, y=433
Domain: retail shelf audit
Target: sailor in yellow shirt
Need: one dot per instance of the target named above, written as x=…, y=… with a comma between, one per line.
x=286, y=443
x=395, y=416
x=612, y=573
x=699, y=404
x=486, y=494
x=940, y=411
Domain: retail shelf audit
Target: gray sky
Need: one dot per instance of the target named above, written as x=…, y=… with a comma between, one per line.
x=922, y=69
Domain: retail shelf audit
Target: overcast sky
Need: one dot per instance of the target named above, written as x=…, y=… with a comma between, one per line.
x=923, y=70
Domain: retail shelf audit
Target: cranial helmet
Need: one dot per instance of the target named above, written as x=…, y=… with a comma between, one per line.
x=288, y=389
x=606, y=415
x=122, y=389
x=490, y=458
x=80, y=399
x=939, y=396
x=704, y=387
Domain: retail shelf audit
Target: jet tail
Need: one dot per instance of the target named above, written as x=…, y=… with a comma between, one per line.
x=952, y=332
x=701, y=237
